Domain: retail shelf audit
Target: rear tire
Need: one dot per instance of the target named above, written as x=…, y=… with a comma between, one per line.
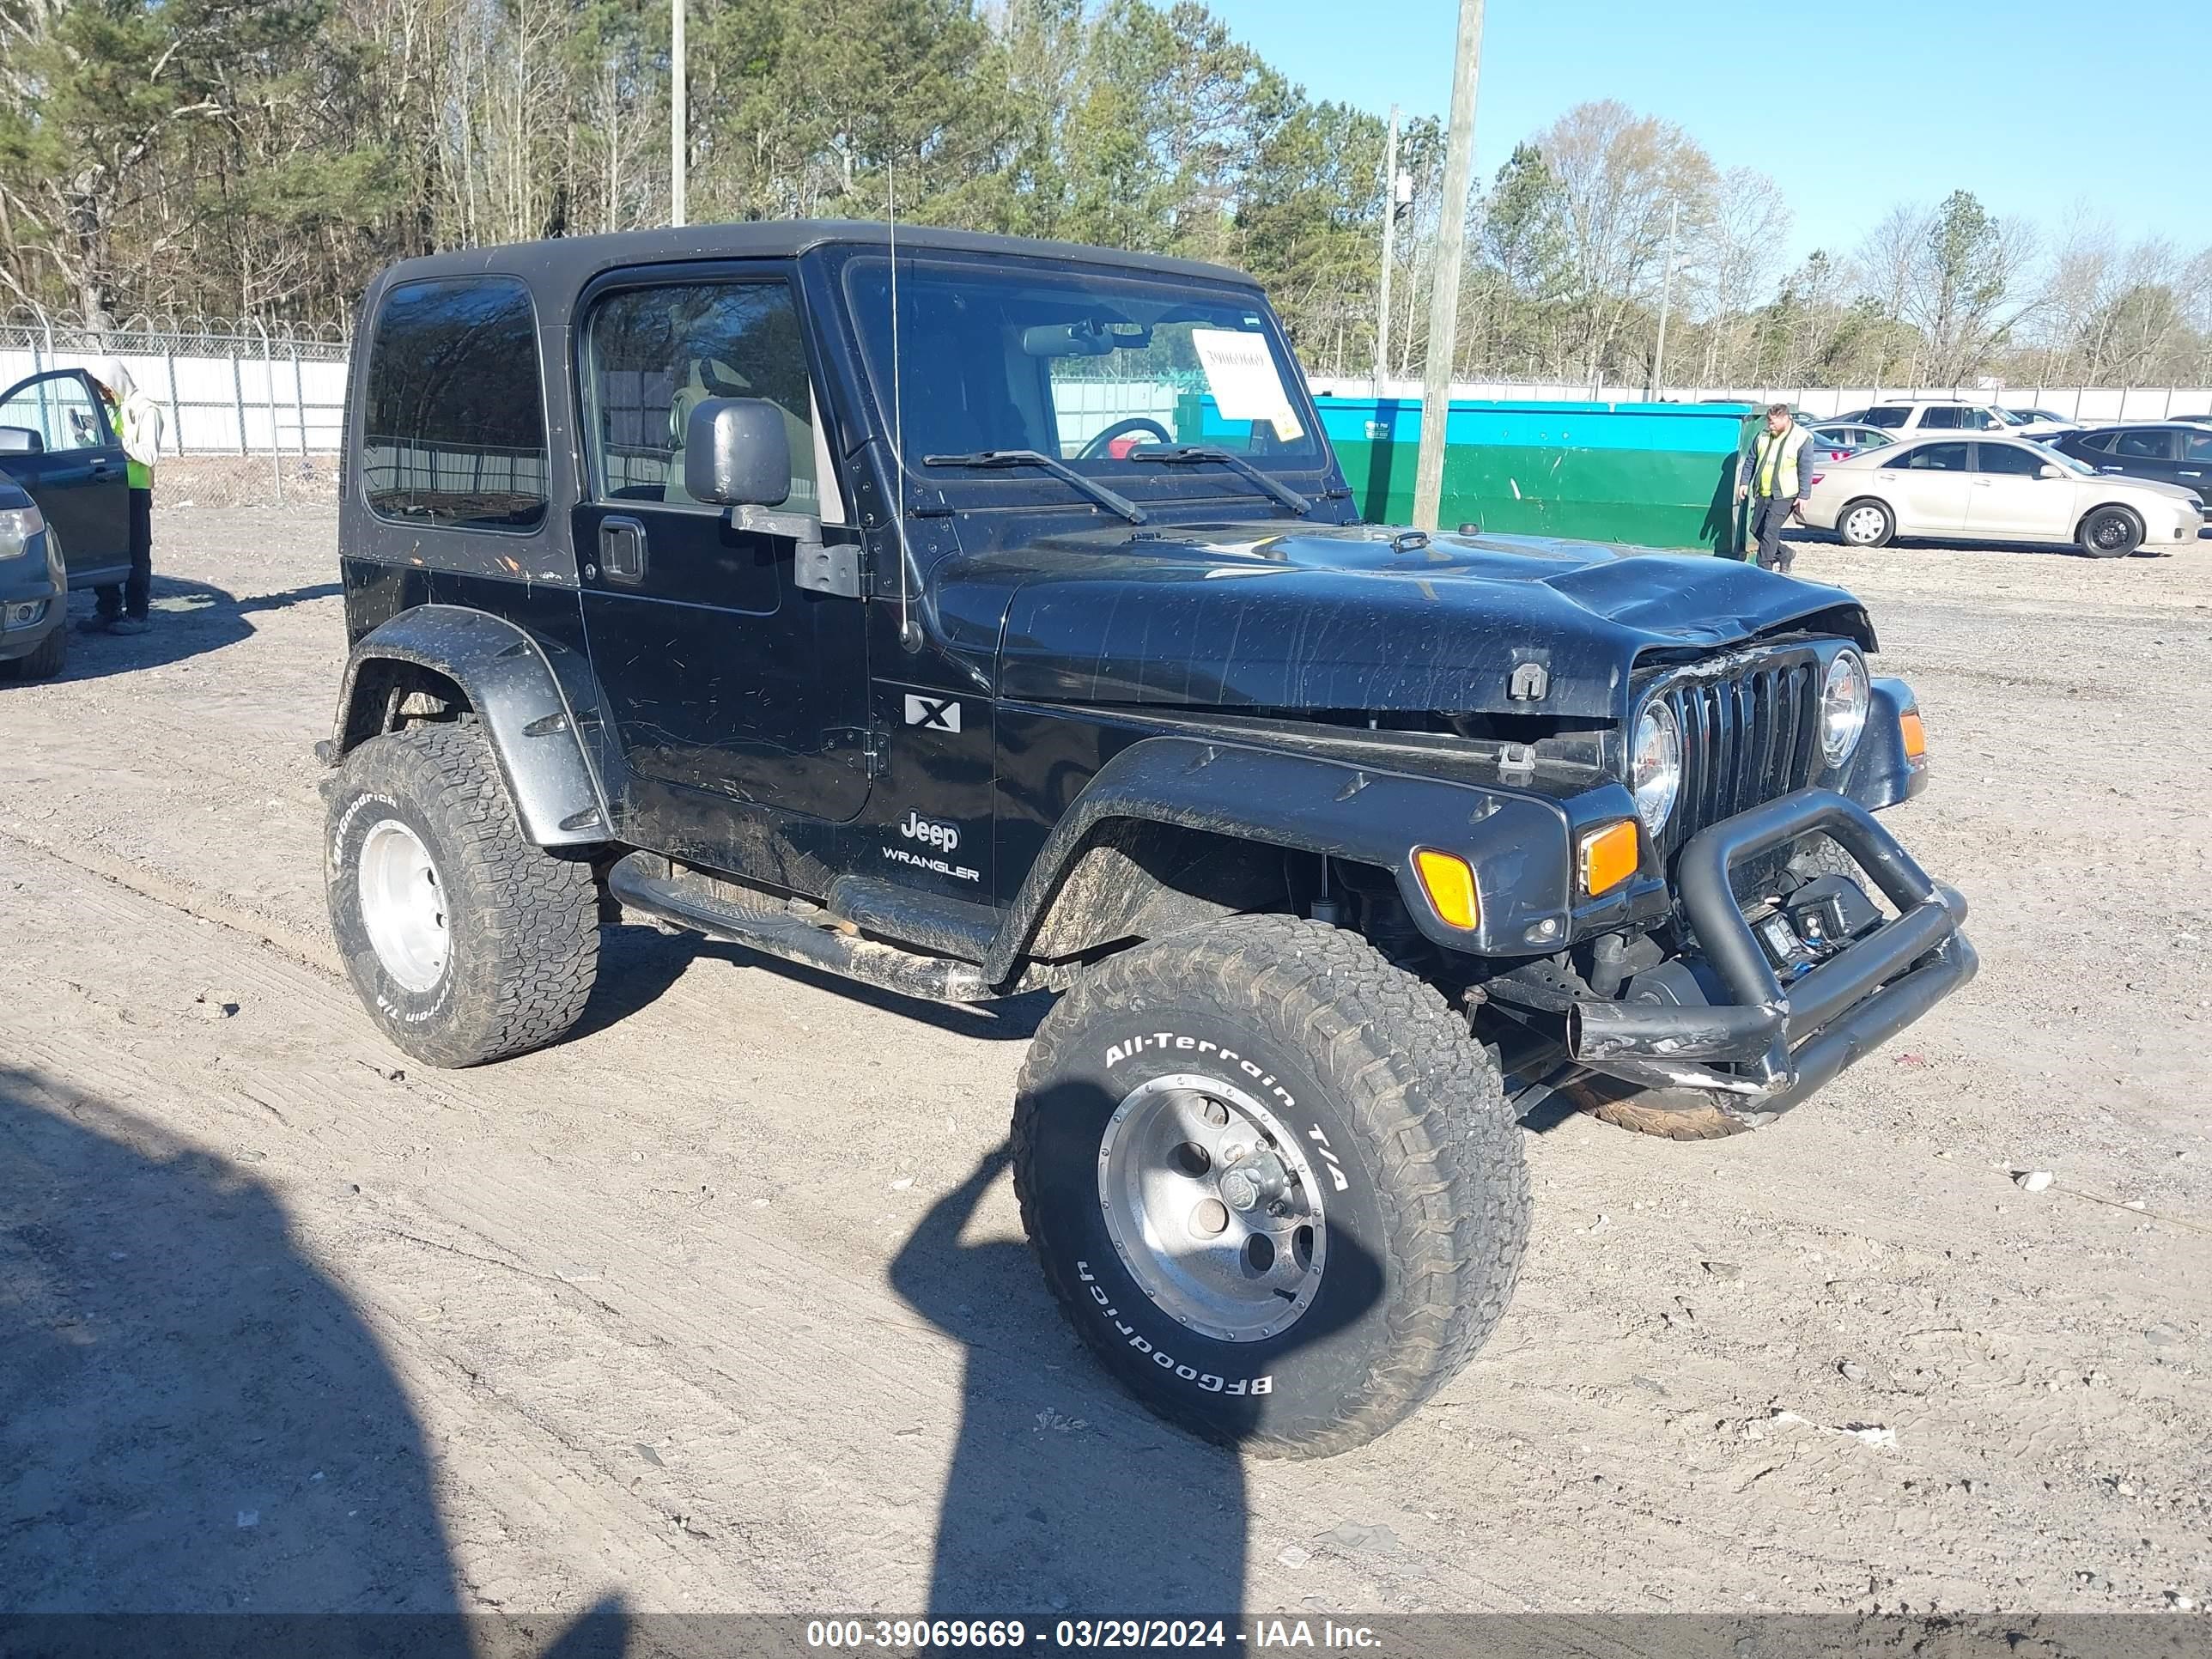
x=2110, y=532
x=465, y=942
x=1866, y=523
x=1388, y=1161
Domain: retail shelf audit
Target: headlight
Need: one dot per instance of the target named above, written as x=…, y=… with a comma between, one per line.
x=1655, y=771
x=18, y=525
x=1843, y=698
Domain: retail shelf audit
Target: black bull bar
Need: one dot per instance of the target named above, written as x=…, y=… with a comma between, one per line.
x=1831, y=1016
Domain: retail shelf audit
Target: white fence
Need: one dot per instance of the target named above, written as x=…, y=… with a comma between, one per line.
x=228, y=388
x=2088, y=404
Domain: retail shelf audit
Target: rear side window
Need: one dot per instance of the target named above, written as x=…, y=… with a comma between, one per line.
x=2145, y=446
x=1892, y=415
x=2197, y=446
x=1943, y=419
x=455, y=428
x=2099, y=441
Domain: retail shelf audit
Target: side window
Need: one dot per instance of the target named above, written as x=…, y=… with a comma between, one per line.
x=2197, y=446
x=2101, y=442
x=455, y=427
x=1940, y=418
x=1892, y=415
x=653, y=354
x=59, y=409
x=2008, y=460
x=2151, y=445
x=1938, y=458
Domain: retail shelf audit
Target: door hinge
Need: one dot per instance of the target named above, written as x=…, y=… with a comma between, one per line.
x=876, y=749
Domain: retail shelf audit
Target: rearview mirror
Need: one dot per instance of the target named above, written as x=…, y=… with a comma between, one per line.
x=2050, y=469
x=20, y=441
x=737, y=453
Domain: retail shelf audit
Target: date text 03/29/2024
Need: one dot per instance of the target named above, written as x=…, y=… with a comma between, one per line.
x=924, y=1635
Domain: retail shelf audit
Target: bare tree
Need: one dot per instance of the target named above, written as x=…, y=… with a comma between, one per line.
x=1734, y=263
x=1619, y=173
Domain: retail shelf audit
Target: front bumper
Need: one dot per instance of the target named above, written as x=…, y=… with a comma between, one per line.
x=1779, y=1047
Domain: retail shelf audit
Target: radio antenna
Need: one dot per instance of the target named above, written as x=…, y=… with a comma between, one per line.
x=908, y=637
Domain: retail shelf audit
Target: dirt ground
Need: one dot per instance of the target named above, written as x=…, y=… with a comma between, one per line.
x=722, y=1304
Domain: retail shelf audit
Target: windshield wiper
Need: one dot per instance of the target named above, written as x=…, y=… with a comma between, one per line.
x=1190, y=454
x=1097, y=492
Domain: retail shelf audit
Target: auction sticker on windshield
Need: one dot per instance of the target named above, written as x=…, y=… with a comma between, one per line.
x=1240, y=372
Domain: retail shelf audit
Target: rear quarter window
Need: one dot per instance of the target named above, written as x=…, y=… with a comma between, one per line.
x=454, y=430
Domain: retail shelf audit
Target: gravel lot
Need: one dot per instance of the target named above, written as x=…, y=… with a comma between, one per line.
x=722, y=1304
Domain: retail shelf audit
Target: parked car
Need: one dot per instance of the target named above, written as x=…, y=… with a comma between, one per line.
x=2002, y=489
x=2046, y=420
x=2171, y=452
x=1835, y=440
x=1319, y=824
x=33, y=631
x=61, y=448
x=1916, y=415
x=2204, y=419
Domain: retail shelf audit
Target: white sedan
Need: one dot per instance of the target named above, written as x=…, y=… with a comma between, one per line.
x=1989, y=489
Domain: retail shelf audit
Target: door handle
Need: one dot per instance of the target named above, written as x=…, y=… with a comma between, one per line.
x=100, y=467
x=2187, y=473
x=2108, y=468
x=622, y=549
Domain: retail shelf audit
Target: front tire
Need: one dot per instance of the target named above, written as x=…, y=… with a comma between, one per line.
x=2110, y=532
x=1273, y=1182
x=46, y=662
x=1866, y=523
x=465, y=942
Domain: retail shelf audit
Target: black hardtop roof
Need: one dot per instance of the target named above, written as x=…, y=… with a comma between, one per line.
x=569, y=262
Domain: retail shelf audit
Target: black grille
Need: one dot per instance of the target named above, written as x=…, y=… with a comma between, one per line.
x=1746, y=740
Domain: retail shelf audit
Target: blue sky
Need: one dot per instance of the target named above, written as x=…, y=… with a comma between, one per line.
x=2034, y=105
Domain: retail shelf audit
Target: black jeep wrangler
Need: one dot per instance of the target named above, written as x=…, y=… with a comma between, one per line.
x=972, y=616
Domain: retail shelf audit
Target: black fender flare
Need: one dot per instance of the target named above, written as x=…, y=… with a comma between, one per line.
x=1880, y=772
x=1518, y=845
x=502, y=670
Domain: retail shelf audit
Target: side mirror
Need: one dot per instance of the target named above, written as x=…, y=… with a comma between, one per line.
x=20, y=441
x=2050, y=469
x=736, y=453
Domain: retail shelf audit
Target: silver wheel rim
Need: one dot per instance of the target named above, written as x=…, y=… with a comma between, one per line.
x=403, y=905
x=1863, y=525
x=1212, y=1207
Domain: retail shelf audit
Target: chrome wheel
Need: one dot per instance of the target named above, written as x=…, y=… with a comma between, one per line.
x=1213, y=1207
x=1863, y=526
x=403, y=905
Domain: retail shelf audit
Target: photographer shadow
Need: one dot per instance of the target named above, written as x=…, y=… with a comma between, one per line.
x=1065, y=1498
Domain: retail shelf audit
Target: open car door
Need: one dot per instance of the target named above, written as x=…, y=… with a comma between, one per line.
x=57, y=440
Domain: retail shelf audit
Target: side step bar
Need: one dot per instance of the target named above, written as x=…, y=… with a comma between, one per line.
x=645, y=881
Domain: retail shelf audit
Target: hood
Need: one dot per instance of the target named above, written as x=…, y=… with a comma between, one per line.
x=1223, y=616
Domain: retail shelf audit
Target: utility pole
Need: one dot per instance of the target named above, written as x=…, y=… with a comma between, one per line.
x=1389, y=253
x=677, y=112
x=1665, y=296
x=1451, y=242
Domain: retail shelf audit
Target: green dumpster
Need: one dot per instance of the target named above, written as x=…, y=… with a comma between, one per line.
x=1655, y=475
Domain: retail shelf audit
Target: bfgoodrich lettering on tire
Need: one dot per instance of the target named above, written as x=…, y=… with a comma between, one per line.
x=465, y=942
x=1271, y=1180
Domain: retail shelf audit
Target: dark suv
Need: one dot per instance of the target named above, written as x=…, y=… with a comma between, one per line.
x=975, y=617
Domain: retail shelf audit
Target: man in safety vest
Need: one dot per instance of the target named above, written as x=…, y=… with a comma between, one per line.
x=1774, y=475
x=122, y=606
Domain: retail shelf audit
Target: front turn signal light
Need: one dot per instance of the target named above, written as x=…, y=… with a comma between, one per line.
x=1448, y=881
x=1609, y=857
x=1916, y=735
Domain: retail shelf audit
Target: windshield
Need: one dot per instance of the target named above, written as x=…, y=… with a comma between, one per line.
x=1081, y=366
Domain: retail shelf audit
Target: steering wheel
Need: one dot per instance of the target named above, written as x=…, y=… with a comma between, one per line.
x=1097, y=446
